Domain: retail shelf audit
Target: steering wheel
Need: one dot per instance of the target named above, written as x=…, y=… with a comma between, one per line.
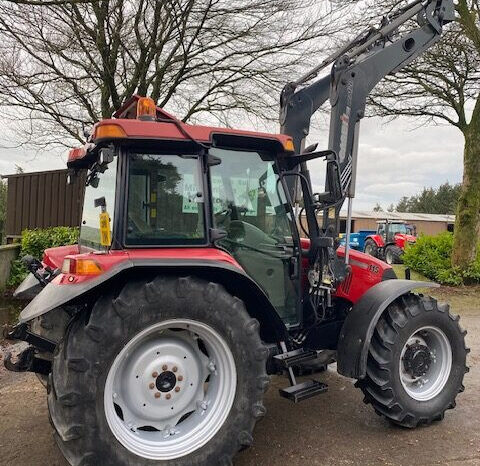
x=219, y=220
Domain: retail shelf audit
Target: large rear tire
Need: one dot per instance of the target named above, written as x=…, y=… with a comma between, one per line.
x=170, y=372
x=416, y=362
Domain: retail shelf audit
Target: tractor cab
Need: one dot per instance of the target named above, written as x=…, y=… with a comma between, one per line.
x=166, y=185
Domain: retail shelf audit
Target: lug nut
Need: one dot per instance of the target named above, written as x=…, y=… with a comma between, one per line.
x=164, y=367
x=157, y=395
x=180, y=378
x=177, y=389
x=151, y=386
x=168, y=396
x=175, y=369
x=155, y=375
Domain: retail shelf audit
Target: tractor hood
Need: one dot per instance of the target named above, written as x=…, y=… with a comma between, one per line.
x=401, y=239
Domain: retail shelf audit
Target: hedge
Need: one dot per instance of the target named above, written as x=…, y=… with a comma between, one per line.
x=431, y=256
x=34, y=243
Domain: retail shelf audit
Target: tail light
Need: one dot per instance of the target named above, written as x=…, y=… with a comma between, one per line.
x=81, y=267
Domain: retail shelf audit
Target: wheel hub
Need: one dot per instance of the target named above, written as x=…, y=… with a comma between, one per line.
x=166, y=382
x=417, y=360
x=426, y=363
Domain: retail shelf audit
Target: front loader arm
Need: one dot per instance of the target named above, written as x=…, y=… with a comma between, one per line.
x=356, y=69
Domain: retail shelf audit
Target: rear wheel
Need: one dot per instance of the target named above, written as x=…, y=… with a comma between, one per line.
x=169, y=372
x=416, y=362
x=370, y=248
x=393, y=255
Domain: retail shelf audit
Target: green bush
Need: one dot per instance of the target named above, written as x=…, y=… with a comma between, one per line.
x=34, y=242
x=431, y=256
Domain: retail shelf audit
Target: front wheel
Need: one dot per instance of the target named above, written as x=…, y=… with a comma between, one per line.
x=170, y=372
x=416, y=362
x=371, y=248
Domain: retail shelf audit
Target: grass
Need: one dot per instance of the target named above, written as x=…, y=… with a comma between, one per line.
x=400, y=271
x=464, y=300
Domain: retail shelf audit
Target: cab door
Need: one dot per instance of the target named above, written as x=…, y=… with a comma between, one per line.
x=249, y=205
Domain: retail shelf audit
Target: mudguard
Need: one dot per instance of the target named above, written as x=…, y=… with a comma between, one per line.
x=29, y=288
x=357, y=330
x=232, y=278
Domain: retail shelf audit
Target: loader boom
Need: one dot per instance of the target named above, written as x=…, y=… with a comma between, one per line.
x=355, y=70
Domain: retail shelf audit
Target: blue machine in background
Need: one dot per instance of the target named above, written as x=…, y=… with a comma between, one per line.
x=357, y=240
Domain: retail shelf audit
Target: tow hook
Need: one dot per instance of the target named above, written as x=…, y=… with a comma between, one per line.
x=27, y=362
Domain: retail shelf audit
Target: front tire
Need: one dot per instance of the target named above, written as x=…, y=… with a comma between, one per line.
x=370, y=248
x=416, y=362
x=171, y=371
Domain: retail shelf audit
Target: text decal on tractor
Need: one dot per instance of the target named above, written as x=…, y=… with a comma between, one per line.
x=190, y=284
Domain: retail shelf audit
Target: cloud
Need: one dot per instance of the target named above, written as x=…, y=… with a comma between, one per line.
x=396, y=160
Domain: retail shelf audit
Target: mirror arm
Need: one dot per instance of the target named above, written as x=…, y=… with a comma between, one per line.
x=297, y=159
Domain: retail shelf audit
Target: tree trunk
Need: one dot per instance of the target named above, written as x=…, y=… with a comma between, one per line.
x=467, y=224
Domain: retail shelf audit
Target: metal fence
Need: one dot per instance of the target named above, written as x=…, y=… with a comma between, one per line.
x=42, y=200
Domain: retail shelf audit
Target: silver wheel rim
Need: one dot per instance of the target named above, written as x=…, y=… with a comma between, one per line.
x=170, y=389
x=430, y=382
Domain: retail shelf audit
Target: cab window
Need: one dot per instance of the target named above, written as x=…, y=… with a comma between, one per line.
x=165, y=203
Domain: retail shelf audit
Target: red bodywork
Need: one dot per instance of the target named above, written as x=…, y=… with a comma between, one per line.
x=365, y=272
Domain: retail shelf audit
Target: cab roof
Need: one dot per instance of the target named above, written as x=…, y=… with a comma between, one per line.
x=126, y=126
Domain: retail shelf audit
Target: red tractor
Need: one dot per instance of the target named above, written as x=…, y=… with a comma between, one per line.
x=390, y=240
x=190, y=284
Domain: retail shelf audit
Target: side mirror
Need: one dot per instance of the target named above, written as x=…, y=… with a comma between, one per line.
x=105, y=156
x=334, y=186
x=100, y=202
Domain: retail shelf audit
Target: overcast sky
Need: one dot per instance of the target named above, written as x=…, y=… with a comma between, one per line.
x=395, y=160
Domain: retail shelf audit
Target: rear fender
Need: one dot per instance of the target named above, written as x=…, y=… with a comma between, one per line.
x=236, y=282
x=360, y=323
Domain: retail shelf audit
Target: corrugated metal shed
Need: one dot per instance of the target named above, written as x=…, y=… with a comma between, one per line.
x=41, y=200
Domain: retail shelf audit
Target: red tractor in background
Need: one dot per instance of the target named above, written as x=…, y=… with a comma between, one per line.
x=190, y=285
x=389, y=242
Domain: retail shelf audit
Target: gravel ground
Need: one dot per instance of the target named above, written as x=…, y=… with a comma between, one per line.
x=335, y=428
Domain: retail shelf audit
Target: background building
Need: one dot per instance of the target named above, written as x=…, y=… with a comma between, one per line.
x=428, y=224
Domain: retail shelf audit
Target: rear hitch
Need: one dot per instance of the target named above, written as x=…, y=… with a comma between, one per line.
x=27, y=362
x=22, y=332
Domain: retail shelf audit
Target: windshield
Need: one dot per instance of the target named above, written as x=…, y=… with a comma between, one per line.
x=399, y=228
x=99, y=185
x=165, y=200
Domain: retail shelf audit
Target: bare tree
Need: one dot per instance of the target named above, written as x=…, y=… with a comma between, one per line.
x=65, y=64
x=443, y=85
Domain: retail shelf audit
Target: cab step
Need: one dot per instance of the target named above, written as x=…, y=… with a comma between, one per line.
x=295, y=357
x=304, y=390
